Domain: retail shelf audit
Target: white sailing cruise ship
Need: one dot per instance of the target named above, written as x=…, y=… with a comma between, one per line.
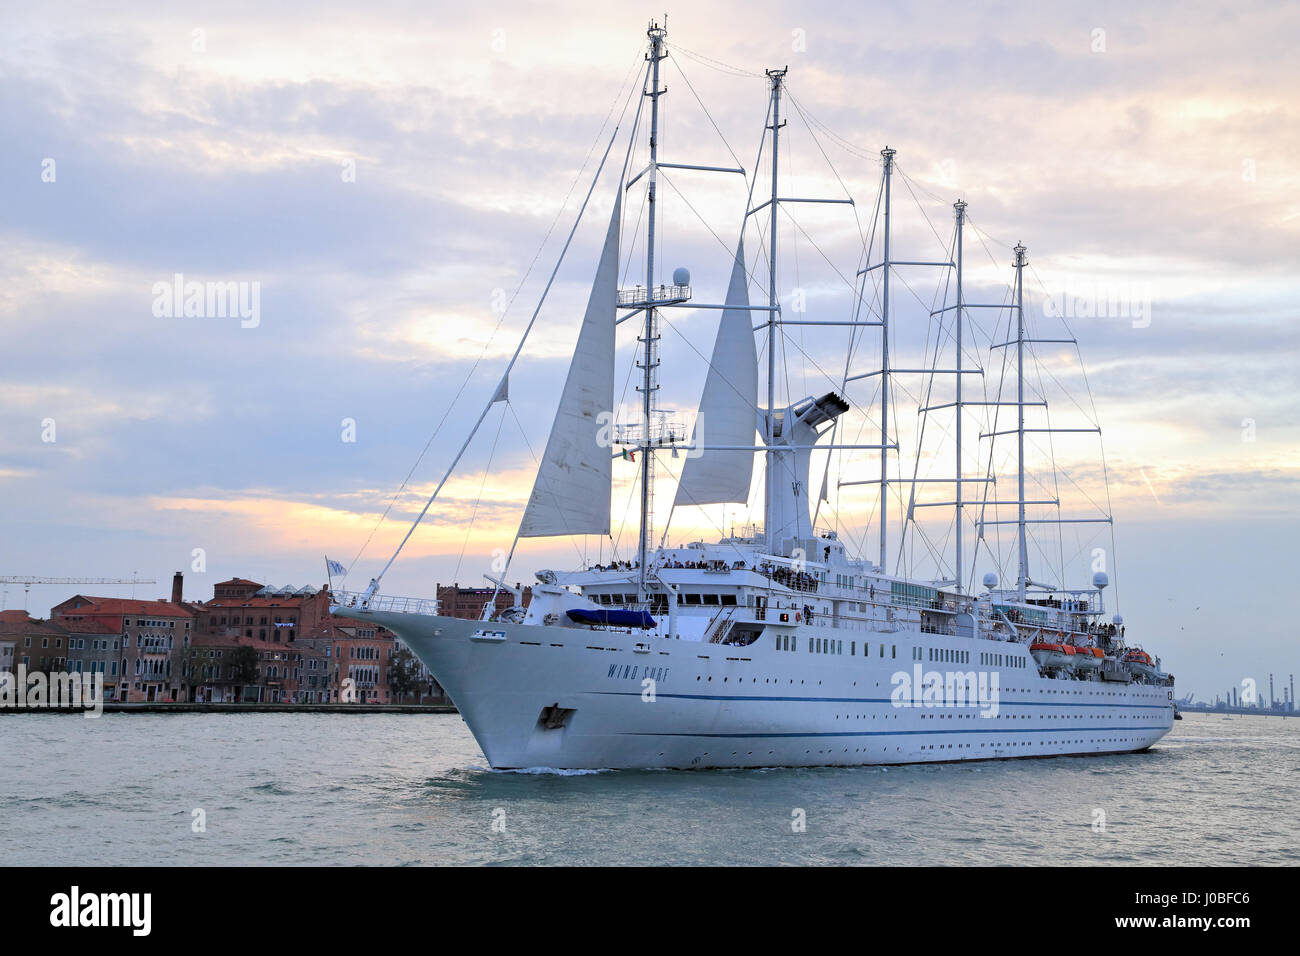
x=774, y=645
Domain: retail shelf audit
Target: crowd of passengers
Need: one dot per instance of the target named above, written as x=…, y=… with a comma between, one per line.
x=1107, y=632
x=795, y=580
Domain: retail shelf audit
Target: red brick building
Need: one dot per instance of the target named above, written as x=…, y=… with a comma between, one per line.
x=305, y=654
x=187, y=651
x=36, y=645
x=151, y=637
x=468, y=603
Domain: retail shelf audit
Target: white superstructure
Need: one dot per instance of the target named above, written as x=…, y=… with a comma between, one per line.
x=773, y=646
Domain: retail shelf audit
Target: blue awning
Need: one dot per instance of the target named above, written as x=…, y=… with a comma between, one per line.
x=615, y=617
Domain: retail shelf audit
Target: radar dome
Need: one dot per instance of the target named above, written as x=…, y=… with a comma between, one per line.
x=1100, y=580
x=991, y=580
x=681, y=276
x=1117, y=620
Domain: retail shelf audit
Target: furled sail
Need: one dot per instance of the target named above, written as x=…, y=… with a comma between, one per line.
x=726, y=415
x=571, y=492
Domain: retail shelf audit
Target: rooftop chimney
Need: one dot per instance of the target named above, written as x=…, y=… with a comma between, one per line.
x=177, y=580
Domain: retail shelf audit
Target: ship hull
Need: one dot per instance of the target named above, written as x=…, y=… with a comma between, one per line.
x=571, y=698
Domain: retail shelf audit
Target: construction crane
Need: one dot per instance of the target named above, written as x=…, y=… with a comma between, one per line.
x=27, y=580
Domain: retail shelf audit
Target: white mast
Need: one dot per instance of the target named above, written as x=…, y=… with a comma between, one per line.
x=769, y=470
x=1022, y=576
x=888, y=155
x=650, y=337
x=960, y=207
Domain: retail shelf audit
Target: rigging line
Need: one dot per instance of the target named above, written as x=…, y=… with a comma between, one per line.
x=669, y=323
x=839, y=141
x=718, y=64
x=722, y=534
x=627, y=156
x=631, y=252
x=1056, y=481
x=989, y=470
x=731, y=251
x=850, y=352
x=909, y=519
x=514, y=358
x=864, y=260
x=785, y=336
x=937, y=199
x=482, y=485
x=798, y=279
x=852, y=286
x=627, y=506
x=707, y=114
x=907, y=181
x=730, y=384
x=528, y=272
x=645, y=201
x=532, y=454
x=981, y=235
x=834, y=172
x=1092, y=401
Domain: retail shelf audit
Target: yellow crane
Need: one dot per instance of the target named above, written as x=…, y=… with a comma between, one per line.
x=27, y=580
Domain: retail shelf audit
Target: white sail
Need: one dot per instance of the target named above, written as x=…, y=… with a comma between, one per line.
x=572, y=489
x=726, y=414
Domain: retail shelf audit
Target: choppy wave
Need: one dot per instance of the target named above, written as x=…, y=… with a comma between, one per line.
x=415, y=790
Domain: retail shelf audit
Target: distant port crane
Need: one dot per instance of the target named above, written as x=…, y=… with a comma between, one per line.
x=27, y=580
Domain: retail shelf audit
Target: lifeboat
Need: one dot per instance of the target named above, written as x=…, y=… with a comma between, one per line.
x=1088, y=658
x=1052, y=655
x=1139, y=662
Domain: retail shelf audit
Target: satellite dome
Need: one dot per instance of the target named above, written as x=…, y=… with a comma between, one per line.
x=681, y=276
x=991, y=580
x=1100, y=580
x=1117, y=620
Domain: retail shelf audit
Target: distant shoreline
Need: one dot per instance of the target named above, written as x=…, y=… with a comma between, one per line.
x=1236, y=711
x=228, y=708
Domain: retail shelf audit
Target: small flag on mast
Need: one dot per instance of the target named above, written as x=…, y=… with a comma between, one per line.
x=335, y=568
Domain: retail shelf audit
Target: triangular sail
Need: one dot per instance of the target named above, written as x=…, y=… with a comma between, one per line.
x=726, y=415
x=572, y=490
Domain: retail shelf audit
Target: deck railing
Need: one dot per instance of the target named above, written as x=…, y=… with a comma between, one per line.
x=345, y=601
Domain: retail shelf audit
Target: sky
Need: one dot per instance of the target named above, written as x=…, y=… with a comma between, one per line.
x=395, y=182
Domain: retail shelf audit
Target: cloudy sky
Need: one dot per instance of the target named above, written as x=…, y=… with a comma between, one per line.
x=396, y=180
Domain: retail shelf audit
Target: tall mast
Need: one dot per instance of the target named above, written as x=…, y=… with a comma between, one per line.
x=888, y=155
x=1022, y=576
x=960, y=207
x=650, y=364
x=769, y=471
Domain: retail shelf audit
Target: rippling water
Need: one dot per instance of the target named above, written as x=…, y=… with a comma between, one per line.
x=415, y=789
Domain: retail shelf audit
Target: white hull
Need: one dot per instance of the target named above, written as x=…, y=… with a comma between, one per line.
x=723, y=706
